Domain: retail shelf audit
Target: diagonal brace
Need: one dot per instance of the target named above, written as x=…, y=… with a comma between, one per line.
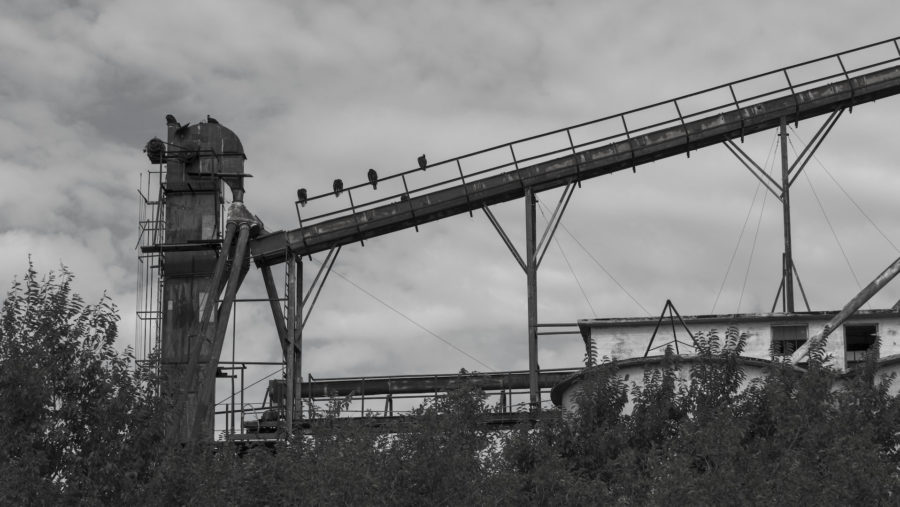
x=849, y=309
x=198, y=329
x=326, y=269
x=207, y=377
x=506, y=240
x=814, y=144
x=553, y=223
x=754, y=168
x=277, y=313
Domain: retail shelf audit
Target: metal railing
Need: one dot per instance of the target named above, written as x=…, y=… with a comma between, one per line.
x=785, y=81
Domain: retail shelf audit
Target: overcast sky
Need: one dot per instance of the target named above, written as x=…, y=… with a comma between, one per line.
x=319, y=90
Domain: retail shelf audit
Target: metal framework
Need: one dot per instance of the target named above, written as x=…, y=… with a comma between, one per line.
x=576, y=153
x=534, y=254
x=781, y=191
x=579, y=154
x=673, y=314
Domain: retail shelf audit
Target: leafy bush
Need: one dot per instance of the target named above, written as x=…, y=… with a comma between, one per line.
x=82, y=424
x=78, y=421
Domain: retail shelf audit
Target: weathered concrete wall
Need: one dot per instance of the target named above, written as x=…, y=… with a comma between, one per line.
x=628, y=338
x=632, y=372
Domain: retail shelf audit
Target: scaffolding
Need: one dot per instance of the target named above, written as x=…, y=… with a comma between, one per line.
x=151, y=232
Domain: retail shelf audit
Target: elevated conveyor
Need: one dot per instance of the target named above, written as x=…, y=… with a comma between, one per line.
x=575, y=157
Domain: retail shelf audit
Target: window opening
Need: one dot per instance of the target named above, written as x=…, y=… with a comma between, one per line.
x=858, y=339
x=787, y=339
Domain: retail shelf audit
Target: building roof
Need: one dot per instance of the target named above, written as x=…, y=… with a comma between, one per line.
x=585, y=325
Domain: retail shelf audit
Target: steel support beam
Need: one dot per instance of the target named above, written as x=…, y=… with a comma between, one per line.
x=429, y=384
x=207, y=380
x=849, y=309
x=277, y=313
x=789, y=173
x=531, y=276
x=554, y=223
x=534, y=254
x=197, y=337
x=316, y=288
x=814, y=143
x=292, y=312
x=800, y=284
x=298, y=340
x=506, y=241
x=788, y=264
x=754, y=169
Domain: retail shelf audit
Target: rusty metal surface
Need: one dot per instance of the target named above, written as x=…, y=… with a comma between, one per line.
x=183, y=247
x=531, y=268
x=204, y=153
x=590, y=163
x=425, y=384
x=266, y=431
x=198, y=159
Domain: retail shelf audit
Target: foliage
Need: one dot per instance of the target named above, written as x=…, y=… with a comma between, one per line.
x=590, y=351
x=82, y=425
x=76, y=417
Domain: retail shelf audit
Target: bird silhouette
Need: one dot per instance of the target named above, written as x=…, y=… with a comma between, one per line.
x=423, y=162
x=210, y=119
x=338, y=187
x=170, y=120
x=373, y=178
x=301, y=196
x=182, y=129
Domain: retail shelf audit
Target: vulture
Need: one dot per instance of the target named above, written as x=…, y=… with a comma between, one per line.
x=210, y=119
x=338, y=187
x=373, y=178
x=423, y=163
x=301, y=196
x=170, y=120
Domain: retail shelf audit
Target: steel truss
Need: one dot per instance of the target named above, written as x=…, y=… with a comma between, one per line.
x=534, y=254
x=781, y=191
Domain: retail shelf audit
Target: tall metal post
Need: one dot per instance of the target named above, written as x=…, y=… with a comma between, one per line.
x=531, y=274
x=788, y=262
x=291, y=332
x=297, y=348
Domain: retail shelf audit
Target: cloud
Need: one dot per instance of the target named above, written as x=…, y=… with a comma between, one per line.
x=325, y=91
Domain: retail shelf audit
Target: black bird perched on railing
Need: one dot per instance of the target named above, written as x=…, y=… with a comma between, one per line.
x=373, y=178
x=210, y=119
x=423, y=162
x=338, y=187
x=301, y=196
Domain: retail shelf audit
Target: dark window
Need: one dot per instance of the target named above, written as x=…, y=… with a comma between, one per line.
x=859, y=337
x=787, y=339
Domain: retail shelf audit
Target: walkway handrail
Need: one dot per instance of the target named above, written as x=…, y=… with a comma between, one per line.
x=789, y=87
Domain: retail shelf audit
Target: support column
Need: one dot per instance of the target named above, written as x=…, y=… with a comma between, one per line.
x=531, y=275
x=788, y=262
x=292, y=305
x=534, y=253
x=297, y=348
